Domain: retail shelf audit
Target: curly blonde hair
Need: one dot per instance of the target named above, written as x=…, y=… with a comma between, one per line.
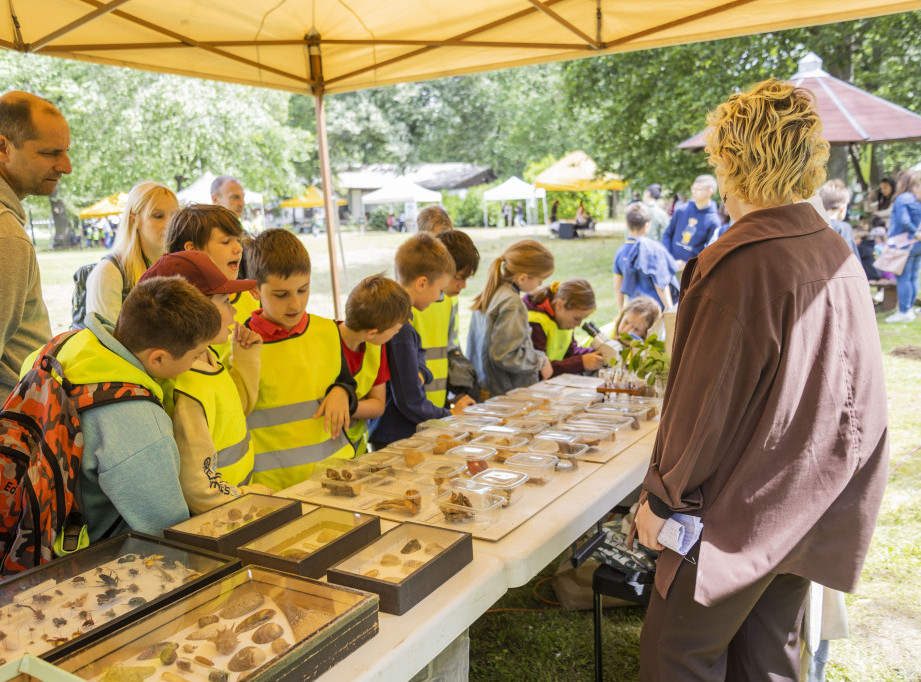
x=766, y=144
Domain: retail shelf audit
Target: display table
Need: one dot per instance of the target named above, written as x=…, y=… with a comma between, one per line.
x=407, y=643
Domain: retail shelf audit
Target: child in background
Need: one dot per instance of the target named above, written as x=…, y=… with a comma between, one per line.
x=865, y=251
x=129, y=475
x=376, y=310
x=424, y=268
x=216, y=231
x=643, y=266
x=209, y=423
x=554, y=312
x=306, y=392
x=499, y=339
x=641, y=315
x=452, y=372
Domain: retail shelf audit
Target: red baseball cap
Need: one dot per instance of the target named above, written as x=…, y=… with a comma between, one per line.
x=197, y=268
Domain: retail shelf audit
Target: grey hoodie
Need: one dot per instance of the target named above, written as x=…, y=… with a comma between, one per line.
x=24, y=324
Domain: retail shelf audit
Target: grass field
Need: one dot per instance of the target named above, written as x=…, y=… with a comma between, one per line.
x=524, y=638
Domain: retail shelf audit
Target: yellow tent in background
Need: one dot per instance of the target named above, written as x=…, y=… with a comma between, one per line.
x=108, y=206
x=576, y=172
x=311, y=198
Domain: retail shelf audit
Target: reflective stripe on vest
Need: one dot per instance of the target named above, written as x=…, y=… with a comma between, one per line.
x=218, y=397
x=293, y=380
x=432, y=325
x=558, y=340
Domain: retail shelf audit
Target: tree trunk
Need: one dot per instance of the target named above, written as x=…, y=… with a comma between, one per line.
x=63, y=233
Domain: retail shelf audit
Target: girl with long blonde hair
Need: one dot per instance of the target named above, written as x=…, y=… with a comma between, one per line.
x=499, y=341
x=139, y=242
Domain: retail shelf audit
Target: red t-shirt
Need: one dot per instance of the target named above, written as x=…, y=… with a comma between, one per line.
x=269, y=331
x=354, y=358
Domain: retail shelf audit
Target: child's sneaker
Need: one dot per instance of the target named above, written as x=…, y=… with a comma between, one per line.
x=907, y=316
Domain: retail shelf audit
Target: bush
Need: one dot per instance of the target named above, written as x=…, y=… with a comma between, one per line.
x=468, y=211
x=378, y=219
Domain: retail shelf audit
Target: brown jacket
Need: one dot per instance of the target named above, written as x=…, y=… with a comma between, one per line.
x=774, y=427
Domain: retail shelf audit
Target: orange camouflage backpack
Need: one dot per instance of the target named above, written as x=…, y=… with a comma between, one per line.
x=41, y=449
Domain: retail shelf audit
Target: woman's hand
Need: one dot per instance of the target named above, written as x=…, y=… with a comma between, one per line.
x=648, y=527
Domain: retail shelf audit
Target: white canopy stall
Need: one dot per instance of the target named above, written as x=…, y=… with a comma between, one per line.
x=403, y=191
x=516, y=189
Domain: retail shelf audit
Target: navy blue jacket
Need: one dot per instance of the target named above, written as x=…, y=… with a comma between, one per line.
x=690, y=229
x=407, y=405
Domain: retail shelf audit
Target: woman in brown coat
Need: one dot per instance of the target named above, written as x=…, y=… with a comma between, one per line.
x=774, y=427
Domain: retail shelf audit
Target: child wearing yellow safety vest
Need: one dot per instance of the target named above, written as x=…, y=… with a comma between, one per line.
x=376, y=310
x=452, y=373
x=306, y=392
x=216, y=231
x=554, y=312
x=424, y=268
x=209, y=420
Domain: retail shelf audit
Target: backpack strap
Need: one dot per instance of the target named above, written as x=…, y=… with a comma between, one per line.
x=126, y=285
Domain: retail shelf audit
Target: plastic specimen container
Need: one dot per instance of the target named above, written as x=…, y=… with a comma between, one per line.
x=476, y=456
x=478, y=509
x=505, y=446
x=504, y=482
x=539, y=467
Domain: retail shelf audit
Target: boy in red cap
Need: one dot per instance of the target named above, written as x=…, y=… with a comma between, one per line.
x=209, y=423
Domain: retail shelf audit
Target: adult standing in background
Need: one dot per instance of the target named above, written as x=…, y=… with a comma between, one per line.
x=774, y=429
x=34, y=141
x=692, y=225
x=658, y=217
x=904, y=220
x=228, y=192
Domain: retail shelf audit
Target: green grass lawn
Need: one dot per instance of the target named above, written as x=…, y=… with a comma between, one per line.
x=525, y=638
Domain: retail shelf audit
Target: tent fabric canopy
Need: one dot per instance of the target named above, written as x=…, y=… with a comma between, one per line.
x=109, y=206
x=367, y=43
x=848, y=113
x=311, y=198
x=401, y=191
x=199, y=192
x=513, y=189
x=576, y=172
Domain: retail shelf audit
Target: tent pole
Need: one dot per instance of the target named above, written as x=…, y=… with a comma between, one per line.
x=316, y=71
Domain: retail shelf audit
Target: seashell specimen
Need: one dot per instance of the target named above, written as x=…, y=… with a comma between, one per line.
x=234, y=514
x=241, y=604
x=154, y=650
x=188, y=648
x=279, y=646
x=183, y=664
x=125, y=673
x=207, y=620
x=267, y=633
x=201, y=660
x=246, y=658
x=258, y=618
x=412, y=546
x=302, y=621
x=225, y=641
x=172, y=677
x=294, y=554
x=168, y=656
x=136, y=601
x=433, y=548
x=390, y=560
x=218, y=676
x=207, y=632
x=371, y=573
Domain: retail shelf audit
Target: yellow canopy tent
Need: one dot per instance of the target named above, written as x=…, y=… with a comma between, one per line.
x=320, y=47
x=311, y=198
x=577, y=172
x=109, y=206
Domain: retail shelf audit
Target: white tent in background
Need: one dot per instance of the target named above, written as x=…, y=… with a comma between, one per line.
x=516, y=189
x=403, y=191
x=199, y=192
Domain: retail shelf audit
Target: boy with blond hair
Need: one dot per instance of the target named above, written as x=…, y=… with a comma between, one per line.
x=424, y=268
x=209, y=421
x=306, y=392
x=374, y=313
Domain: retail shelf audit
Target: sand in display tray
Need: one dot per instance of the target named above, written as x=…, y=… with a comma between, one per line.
x=255, y=624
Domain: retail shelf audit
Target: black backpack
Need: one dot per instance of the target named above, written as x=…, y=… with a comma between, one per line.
x=78, y=303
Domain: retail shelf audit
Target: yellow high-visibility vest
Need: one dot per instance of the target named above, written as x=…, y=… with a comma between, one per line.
x=217, y=394
x=432, y=325
x=558, y=340
x=365, y=377
x=295, y=375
